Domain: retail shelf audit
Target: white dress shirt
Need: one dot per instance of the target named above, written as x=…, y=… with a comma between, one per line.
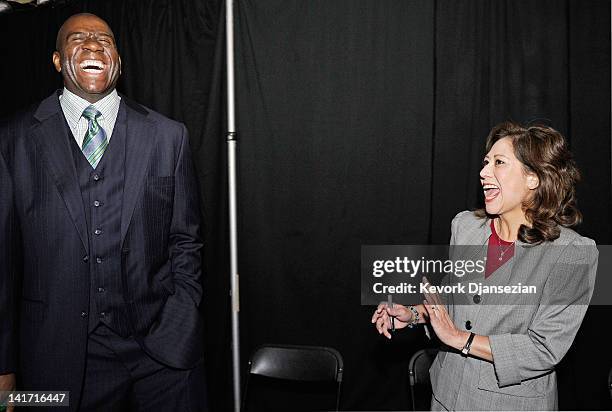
x=73, y=107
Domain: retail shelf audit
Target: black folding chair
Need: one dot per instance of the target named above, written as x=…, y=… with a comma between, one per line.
x=610, y=382
x=418, y=371
x=296, y=363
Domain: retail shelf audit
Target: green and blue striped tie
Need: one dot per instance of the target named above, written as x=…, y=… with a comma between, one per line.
x=95, y=141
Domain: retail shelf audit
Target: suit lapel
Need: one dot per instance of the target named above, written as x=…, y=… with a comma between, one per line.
x=140, y=139
x=51, y=138
x=500, y=277
x=473, y=249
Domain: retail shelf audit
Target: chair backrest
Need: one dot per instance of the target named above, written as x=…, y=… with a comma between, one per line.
x=310, y=365
x=418, y=367
x=301, y=363
x=610, y=382
x=418, y=374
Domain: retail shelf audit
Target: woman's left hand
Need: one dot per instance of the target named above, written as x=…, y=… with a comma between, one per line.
x=441, y=322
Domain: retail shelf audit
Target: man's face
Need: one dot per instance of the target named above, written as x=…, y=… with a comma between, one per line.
x=87, y=57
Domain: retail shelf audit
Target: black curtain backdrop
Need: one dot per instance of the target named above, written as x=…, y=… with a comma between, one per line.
x=359, y=122
x=364, y=123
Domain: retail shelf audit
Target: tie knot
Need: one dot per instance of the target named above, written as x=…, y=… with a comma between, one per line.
x=91, y=113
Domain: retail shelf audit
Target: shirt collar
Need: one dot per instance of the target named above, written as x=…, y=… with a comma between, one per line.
x=75, y=105
x=488, y=232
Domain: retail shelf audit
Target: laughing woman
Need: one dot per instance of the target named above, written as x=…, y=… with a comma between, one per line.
x=500, y=352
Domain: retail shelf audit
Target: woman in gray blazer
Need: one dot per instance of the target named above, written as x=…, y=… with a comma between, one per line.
x=500, y=350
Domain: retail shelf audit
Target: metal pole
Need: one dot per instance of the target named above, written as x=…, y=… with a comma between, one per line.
x=231, y=171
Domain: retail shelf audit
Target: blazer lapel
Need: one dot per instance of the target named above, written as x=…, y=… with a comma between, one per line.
x=50, y=136
x=473, y=249
x=140, y=139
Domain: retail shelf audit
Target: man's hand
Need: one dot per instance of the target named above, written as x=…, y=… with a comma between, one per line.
x=8, y=382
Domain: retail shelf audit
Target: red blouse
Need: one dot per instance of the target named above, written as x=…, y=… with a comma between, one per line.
x=498, y=252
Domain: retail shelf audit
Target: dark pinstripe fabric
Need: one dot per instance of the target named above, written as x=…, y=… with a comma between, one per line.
x=104, y=185
x=121, y=377
x=42, y=219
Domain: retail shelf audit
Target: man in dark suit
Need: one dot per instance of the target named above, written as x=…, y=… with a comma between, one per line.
x=100, y=249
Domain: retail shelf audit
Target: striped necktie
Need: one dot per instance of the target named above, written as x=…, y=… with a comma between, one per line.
x=95, y=141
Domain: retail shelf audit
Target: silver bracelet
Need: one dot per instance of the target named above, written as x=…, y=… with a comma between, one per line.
x=415, y=317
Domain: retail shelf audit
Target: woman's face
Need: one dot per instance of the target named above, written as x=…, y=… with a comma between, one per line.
x=504, y=180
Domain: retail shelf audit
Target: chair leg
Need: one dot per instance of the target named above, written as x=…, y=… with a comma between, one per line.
x=244, y=394
x=412, y=396
x=338, y=396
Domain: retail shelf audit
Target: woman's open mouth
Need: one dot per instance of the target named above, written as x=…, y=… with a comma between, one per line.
x=490, y=192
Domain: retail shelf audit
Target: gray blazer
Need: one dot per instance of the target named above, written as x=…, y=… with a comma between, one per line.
x=528, y=335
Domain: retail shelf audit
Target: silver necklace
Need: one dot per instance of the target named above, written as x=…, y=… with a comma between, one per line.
x=502, y=252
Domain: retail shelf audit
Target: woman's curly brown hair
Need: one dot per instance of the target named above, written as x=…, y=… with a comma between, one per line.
x=542, y=150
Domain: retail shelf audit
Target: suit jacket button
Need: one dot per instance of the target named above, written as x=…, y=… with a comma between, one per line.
x=476, y=299
x=468, y=325
x=83, y=314
x=85, y=258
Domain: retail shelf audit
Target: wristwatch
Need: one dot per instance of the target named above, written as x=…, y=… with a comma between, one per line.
x=468, y=344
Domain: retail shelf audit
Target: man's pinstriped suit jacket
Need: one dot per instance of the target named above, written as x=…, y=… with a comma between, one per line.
x=44, y=281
